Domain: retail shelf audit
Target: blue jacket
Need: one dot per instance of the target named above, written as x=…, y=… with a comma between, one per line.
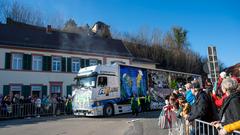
x=190, y=97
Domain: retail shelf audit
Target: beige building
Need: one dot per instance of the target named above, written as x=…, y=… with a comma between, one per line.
x=43, y=61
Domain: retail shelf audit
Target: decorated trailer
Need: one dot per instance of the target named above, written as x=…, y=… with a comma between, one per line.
x=107, y=89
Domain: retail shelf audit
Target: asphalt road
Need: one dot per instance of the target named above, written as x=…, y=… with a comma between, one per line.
x=144, y=124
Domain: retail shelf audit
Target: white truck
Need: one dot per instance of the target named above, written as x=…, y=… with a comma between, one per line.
x=105, y=90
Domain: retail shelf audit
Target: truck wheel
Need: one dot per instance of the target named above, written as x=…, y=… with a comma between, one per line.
x=108, y=110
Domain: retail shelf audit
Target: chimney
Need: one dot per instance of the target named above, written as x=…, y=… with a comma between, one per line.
x=9, y=20
x=48, y=29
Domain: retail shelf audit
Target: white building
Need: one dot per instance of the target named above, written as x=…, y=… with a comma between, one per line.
x=42, y=61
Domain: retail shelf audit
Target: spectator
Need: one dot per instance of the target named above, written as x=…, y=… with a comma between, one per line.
x=182, y=92
x=46, y=103
x=7, y=104
x=54, y=103
x=169, y=118
x=21, y=102
x=184, y=109
x=177, y=92
x=218, y=100
x=164, y=120
x=203, y=108
x=230, y=111
x=16, y=99
x=37, y=107
x=222, y=76
x=190, y=98
x=208, y=84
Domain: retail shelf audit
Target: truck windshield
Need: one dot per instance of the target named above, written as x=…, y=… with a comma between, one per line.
x=86, y=82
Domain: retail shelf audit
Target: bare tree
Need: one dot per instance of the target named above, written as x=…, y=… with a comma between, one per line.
x=71, y=26
x=156, y=38
x=170, y=50
x=20, y=13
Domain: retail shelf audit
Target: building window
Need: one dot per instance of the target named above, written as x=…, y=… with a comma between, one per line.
x=37, y=63
x=93, y=62
x=102, y=81
x=56, y=89
x=16, y=89
x=17, y=61
x=36, y=91
x=56, y=64
x=75, y=64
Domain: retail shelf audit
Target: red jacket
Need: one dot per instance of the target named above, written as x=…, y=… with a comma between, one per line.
x=218, y=101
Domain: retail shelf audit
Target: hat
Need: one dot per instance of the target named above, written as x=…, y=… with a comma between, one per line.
x=180, y=89
x=223, y=74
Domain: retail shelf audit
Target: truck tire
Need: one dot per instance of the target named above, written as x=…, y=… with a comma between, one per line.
x=108, y=110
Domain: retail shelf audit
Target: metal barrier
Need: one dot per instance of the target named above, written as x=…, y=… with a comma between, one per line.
x=33, y=110
x=205, y=128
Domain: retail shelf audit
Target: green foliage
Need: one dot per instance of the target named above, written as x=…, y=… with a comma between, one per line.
x=173, y=84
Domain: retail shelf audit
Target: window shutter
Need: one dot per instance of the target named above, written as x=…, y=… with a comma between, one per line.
x=44, y=91
x=26, y=91
x=27, y=62
x=100, y=62
x=87, y=62
x=8, y=60
x=63, y=64
x=47, y=62
x=44, y=66
x=82, y=63
x=69, y=64
x=6, y=90
x=69, y=90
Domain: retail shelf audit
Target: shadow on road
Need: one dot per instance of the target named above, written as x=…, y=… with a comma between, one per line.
x=32, y=120
x=151, y=114
x=19, y=122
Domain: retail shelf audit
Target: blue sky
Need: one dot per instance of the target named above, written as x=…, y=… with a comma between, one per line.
x=214, y=22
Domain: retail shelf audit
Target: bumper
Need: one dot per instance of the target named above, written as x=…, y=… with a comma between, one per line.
x=96, y=111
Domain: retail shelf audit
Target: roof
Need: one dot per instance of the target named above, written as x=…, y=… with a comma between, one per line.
x=101, y=23
x=143, y=60
x=234, y=70
x=24, y=35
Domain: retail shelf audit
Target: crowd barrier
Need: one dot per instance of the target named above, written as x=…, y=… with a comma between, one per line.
x=205, y=128
x=33, y=110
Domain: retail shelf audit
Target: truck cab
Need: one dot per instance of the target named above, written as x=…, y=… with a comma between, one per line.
x=97, y=88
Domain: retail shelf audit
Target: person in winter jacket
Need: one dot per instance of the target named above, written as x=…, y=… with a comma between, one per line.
x=230, y=111
x=190, y=98
x=203, y=108
x=218, y=100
